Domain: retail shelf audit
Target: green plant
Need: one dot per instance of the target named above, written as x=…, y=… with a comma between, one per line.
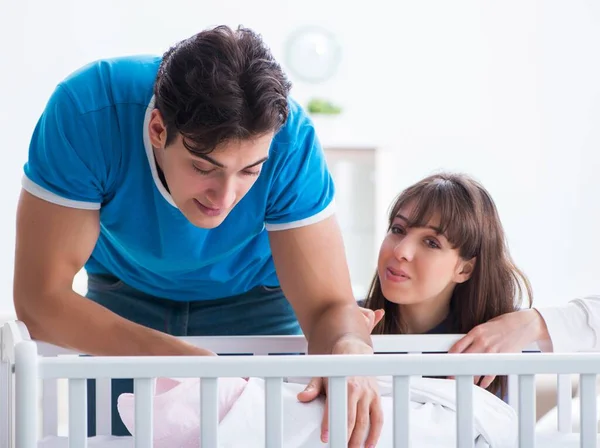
x=323, y=107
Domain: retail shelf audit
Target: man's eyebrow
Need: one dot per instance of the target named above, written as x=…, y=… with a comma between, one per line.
x=258, y=162
x=220, y=165
x=210, y=160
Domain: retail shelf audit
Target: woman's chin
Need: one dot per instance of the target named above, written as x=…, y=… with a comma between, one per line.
x=394, y=296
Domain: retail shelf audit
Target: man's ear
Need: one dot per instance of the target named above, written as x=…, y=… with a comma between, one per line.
x=465, y=270
x=157, y=130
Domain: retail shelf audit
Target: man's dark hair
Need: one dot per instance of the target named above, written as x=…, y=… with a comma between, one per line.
x=220, y=85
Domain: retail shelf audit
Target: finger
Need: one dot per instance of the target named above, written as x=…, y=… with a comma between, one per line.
x=355, y=398
x=378, y=316
x=462, y=344
x=487, y=381
x=369, y=316
x=478, y=346
x=312, y=390
x=325, y=423
x=376, y=421
x=366, y=311
x=358, y=426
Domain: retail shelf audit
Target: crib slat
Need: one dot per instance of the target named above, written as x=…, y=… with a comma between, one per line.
x=513, y=392
x=464, y=411
x=208, y=412
x=77, y=413
x=564, y=403
x=338, y=411
x=26, y=395
x=588, y=431
x=526, y=411
x=103, y=406
x=274, y=413
x=5, y=402
x=142, y=388
x=401, y=411
x=50, y=407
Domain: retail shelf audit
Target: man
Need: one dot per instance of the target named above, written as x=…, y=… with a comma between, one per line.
x=196, y=195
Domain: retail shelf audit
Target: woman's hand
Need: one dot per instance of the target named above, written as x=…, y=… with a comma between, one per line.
x=508, y=333
x=372, y=317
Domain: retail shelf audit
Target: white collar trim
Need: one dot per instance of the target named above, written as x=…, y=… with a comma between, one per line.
x=150, y=154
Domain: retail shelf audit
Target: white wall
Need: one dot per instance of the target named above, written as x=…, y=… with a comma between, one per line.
x=507, y=91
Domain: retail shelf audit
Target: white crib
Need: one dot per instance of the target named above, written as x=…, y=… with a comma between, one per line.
x=27, y=364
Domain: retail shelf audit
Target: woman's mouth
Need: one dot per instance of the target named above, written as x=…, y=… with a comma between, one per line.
x=396, y=275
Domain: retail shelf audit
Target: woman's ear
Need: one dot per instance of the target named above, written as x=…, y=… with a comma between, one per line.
x=465, y=270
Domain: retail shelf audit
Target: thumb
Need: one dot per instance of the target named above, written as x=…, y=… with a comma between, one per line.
x=369, y=316
x=378, y=316
x=312, y=390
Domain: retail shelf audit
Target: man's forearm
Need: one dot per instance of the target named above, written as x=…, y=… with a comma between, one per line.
x=340, y=329
x=80, y=324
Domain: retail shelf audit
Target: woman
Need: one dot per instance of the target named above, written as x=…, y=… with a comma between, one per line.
x=444, y=265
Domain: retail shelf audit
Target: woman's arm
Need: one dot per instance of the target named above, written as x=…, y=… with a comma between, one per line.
x=573, y=327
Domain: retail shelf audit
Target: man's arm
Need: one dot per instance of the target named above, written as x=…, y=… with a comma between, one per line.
x=313, y=272
x=52, y=245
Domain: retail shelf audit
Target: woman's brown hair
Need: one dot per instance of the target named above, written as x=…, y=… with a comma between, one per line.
x=470, y=221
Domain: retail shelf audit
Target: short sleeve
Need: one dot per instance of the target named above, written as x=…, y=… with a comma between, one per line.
x=65, y=163
x=302, y=192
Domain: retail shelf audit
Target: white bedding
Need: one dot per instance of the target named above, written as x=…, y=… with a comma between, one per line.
x=432, y=419
x=546, y=439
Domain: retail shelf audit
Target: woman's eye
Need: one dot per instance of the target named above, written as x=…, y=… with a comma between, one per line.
x=432, y=244
x=397, y=230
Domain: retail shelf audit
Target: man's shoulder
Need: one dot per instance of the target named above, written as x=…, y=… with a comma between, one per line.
x=111, y=82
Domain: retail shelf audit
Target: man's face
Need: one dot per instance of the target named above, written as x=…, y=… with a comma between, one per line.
x=206, y=188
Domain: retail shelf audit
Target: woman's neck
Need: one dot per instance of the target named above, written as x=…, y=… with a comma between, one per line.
x=419, y=318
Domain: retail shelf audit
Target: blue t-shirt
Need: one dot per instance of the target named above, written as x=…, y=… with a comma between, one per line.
x=90, y=150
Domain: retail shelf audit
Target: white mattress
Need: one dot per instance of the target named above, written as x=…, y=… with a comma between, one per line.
x=93, y=442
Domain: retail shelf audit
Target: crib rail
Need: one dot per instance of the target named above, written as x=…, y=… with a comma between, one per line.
x=521, y=391
x=269, y=345
x=30, y=367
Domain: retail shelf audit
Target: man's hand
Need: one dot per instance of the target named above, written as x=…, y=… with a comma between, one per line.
x=365, y=415
x=508, y=333
x=313, y=273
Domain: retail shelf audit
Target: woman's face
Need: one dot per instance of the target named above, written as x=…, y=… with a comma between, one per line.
x=419, y=265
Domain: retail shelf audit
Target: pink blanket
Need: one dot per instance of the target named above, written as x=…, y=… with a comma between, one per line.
x=176, y=411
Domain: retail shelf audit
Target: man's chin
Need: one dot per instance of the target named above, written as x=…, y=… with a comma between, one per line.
x=206, y=222
x=202, y=220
